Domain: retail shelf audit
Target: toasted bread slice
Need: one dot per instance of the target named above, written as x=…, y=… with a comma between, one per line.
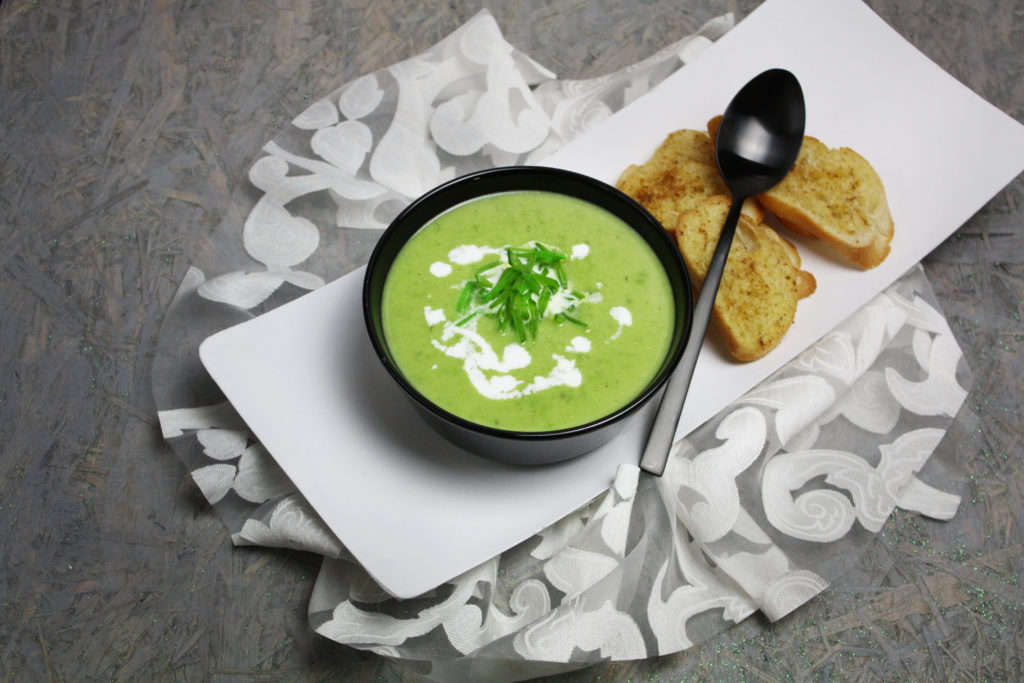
x=757, y=299
x=834, y=195
x=677, y=177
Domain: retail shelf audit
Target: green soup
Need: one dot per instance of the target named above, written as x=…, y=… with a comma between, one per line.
x=577, y=328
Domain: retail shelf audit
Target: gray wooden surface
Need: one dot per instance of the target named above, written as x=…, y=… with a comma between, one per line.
x=124, y=128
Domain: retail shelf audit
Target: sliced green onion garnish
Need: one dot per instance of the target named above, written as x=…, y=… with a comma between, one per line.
x=519, y=298
x=560, y=272
x=487, y=266
x=467, y=296
x=542, y=301
x=574, y=320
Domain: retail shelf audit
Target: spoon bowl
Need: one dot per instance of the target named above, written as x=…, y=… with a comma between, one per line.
x=761, y=132
x=757, y=143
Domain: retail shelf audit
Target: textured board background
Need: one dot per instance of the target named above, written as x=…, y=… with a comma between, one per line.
x=124, y=129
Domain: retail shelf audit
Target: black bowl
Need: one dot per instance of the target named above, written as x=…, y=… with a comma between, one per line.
x=518, y=447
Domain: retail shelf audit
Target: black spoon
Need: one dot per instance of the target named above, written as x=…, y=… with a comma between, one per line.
x=757, y=143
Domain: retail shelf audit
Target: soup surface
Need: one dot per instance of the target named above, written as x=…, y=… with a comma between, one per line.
x=528, y=311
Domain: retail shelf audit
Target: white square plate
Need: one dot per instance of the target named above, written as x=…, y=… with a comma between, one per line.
x=416, y=511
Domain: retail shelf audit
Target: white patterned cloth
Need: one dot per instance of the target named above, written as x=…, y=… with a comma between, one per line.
x=757, y=510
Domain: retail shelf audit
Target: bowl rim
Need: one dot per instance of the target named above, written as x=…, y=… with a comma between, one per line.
x=661, y=234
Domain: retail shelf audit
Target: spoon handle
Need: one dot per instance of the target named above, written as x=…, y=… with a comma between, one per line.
x=663, y=431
